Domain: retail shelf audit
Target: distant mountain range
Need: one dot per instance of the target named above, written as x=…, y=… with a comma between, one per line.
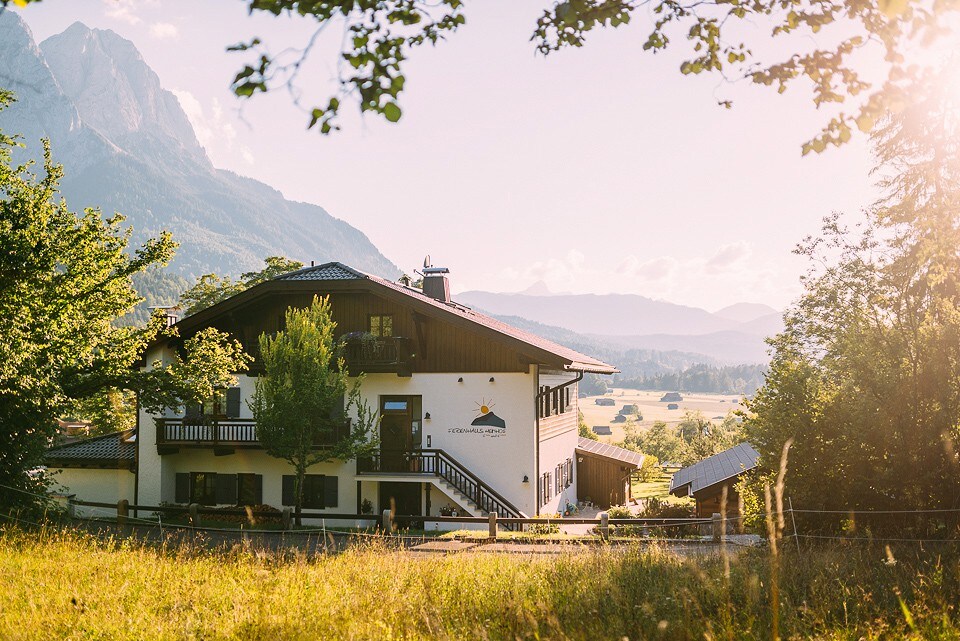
x=731, y=335
x=126, y=145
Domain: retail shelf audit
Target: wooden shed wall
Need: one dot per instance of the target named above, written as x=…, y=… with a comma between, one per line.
x=605, y=481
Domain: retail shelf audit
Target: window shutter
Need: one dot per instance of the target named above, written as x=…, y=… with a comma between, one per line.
x=193, y=410
x=226, y=489
x=233, y=402
x=330, y=493
x=183, y=488
x=287, y=492
x=258, y=488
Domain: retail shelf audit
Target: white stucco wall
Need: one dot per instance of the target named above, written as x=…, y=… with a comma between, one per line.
x=97, y=485
x=501, y=457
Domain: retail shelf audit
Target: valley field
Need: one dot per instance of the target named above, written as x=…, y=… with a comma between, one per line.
x=712, y=406
x=61, y=585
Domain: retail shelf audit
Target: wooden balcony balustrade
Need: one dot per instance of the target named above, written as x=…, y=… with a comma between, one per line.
x=228, y=432
x=371, y=355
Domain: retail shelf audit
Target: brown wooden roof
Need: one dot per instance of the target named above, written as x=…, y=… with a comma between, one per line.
x=619, y=454
x=337, y=276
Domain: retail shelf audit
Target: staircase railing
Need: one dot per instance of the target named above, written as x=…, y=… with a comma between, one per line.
x=444, y=466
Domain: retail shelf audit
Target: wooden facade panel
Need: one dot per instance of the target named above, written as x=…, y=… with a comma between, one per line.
x=604, y=481
x=558, y=424
x=437, y=346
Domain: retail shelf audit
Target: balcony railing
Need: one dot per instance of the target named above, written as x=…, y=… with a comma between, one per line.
x=375, y=355
x=439, y=463
x=232, y=432
x=212, y=432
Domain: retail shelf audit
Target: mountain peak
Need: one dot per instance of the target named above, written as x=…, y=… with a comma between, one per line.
x=117, y=94
x=539, y=288
x=745, y=312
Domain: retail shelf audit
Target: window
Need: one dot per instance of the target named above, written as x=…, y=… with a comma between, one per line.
x=249, y=489
x=553, y=402
x=568, y=473
x=319, y=491
x=381, y=325
x=203, y=488
x=210, y=488
x=546, y=488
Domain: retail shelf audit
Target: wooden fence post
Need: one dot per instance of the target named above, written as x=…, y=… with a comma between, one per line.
x=717, y=522
x=123, y=510
x=387, y=522
x=286, y=518
x=493, y=526
x=194, y=510
x=604, y=526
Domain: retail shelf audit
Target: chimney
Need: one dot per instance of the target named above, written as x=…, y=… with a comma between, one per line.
x=435, y=283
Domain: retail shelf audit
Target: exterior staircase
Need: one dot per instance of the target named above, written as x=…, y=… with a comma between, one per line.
x=444, y=472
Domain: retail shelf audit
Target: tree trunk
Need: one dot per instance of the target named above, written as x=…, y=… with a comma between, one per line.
x=298, y=489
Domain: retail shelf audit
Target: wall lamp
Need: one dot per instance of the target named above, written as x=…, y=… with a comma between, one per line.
x=491, y=379
x=426, y=416
x=460, y=380
x=526, y=479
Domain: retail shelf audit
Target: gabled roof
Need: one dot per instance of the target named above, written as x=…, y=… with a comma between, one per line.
x=327, y=271
x=628, y=457
x=340, y=273
x=714, y=469
x=112, y=450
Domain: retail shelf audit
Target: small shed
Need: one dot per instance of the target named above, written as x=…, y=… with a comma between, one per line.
x=704, y=481
x=602, y=429
x=604, y=471
x=671, y=397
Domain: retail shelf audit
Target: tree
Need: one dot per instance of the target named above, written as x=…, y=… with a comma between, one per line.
x=865, y=377
x=662, y=442
x=210, y=289
x=65, y=278
x=299, y=404
x=583, y=429
x=869, y=54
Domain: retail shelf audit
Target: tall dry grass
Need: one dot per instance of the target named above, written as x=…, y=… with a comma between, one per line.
x=59, y=584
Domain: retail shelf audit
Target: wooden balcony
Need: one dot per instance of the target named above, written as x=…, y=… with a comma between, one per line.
x=173, y=433
x=223, y=435
x=371, y=355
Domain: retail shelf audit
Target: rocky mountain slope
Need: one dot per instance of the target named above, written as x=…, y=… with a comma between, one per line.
x=127, y=146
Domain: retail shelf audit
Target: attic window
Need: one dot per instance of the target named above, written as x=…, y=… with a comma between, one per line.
x=381, y=325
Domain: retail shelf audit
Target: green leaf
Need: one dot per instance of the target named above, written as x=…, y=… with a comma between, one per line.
x=391, y=112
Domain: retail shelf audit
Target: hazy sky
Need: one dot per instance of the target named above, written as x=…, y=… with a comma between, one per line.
x=601, y=169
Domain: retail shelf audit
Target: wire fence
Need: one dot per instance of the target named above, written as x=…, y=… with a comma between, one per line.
x=933, y=525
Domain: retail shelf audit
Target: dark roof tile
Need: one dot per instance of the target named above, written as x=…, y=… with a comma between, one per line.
x=610, y=451
x=716, y=468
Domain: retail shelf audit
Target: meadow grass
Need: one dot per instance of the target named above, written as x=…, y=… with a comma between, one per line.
x=60, y=584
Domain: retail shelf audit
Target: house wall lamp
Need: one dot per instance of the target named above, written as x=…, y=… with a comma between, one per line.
x=526, y=479
x=491, y=379
x=460, y=380
x=426, y=416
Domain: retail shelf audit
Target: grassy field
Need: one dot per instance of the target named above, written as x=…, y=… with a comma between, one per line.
x=712, y=406
x=658, y=489
x=56, y=585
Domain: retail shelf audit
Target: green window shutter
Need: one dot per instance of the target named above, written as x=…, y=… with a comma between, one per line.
x=288, y=497
x=233, y=402
x=183, y=488
x=258, y=488
x=226, y=489
x=330, y=493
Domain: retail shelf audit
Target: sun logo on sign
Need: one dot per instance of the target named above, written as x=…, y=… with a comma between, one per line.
x=485, y=415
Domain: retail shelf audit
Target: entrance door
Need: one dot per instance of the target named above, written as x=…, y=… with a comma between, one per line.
x=405, y=498
x=399, y=433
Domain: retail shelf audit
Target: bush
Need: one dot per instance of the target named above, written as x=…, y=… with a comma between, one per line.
x=546, y=528
x=620, y=512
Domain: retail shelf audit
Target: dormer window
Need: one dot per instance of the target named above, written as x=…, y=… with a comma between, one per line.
x=381, y=325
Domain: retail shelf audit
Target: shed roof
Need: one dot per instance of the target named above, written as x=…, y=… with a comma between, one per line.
x=714, y=469
x=613, y=452
x=111, y=450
